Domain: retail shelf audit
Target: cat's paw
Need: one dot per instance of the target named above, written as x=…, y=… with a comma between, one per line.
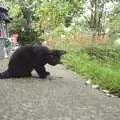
x=43, y=76
x=47, y=73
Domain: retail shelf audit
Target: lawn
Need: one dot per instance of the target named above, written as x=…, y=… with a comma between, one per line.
x=100, y=64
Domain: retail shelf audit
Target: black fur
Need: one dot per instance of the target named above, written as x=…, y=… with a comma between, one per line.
x=30, y=57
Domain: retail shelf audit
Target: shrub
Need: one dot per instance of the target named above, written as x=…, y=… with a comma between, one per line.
x=102, y=53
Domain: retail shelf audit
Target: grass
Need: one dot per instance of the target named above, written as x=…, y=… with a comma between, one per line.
x=106, y=74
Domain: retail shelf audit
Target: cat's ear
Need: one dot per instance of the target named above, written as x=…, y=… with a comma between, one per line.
x=62, y=52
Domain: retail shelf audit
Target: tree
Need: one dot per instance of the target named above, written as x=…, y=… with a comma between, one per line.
x=51, y=14
x=22, y=13
x=76, y=10
x=98, y=14
x=114, y=24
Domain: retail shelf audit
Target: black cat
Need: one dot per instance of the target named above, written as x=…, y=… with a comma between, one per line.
x=29, y=57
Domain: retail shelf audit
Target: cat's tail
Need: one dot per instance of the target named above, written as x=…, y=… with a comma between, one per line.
x=5, y=74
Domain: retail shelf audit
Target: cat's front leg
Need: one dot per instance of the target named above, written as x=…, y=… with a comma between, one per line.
x=41, y=71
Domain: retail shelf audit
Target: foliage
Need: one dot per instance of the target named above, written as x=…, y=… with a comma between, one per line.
x=46, y=16
x=102, y=53
x=50, y=15
x=97, y=15
x=114, y=24
x=16, y=14
x=22, y=13
x=106, y=74
x=41, y=16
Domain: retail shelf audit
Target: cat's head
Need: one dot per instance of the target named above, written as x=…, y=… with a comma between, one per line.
x=55, y=57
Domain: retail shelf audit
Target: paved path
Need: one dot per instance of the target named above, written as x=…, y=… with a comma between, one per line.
x=62, y=96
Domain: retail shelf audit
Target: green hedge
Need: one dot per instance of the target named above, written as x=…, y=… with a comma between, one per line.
x=102, y=53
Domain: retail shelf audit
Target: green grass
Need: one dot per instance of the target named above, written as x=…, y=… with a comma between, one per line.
x=106, y=74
